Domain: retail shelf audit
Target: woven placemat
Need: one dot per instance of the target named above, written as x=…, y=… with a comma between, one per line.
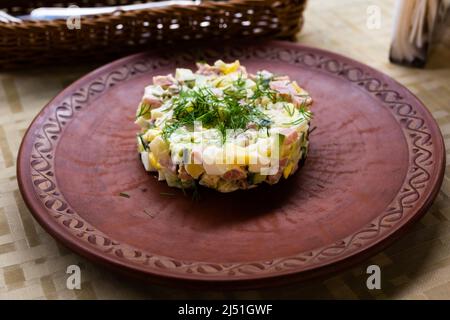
x=33, y=265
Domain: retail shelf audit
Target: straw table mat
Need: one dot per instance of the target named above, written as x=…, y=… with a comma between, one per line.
x=33, y=265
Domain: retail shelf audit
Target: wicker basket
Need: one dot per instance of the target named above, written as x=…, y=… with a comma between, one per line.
x=110, y=35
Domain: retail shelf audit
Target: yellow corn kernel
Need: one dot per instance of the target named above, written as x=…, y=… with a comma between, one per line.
x=285, y=151
x=194, y=170
x=297, y=87
x=230, y=67
x=242, y=156
x=252, y=158
x=155, y=164
x=287, y=170
x=235, y=154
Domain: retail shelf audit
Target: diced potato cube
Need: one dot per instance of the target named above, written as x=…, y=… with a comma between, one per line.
x=156, y=113
x=182, y=74
x=158, y=146
x=151, y=134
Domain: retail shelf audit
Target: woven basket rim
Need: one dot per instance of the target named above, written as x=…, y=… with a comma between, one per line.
x=41, y=41
x=211, y=5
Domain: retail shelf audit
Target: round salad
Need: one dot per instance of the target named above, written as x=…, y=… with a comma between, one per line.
x=222, y=127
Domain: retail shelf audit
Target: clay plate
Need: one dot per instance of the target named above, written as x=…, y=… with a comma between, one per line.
x=375, y=165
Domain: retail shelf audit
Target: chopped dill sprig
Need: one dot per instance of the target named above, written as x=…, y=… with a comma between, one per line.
x=125, y=195
x=305, y=115
x=290, y=111
x=311, y=130
x=263, y=89
x=231, y=111
x=168, y=194
x=143, y=111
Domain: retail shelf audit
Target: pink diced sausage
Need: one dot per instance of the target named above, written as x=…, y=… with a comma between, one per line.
x=167, y=163
x=207, y=70
x=196, y=156
x=290, y=134
x=301, y=101
x=164, y=81
x=285, y=87
x=272, y=179
x=152, y=101
x=234, y=174
x=281, y=86
x=283, y=162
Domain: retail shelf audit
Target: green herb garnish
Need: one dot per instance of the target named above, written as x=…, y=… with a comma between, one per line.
x=125, y=195
x=263, y=89
x=143, y=111
x=233, y=110
x=289, y=110
x=167, y=194
x=305, y=115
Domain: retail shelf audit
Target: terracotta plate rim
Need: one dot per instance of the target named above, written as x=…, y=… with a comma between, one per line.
x=55, y=229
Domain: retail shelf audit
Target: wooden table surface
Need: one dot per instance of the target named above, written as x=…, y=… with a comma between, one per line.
x=33, y=265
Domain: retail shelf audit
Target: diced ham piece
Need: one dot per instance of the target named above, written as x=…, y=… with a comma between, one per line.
x=285, y=87
x=234, y=174
x=196, y=156
x=164, y=81
x=152, y=101
x=166, y=161
x=282, y=87
x=290, y=135
x=283, y=162
x=242, y=70
x=299, y=101
x=207, y=70
x=272, y=179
